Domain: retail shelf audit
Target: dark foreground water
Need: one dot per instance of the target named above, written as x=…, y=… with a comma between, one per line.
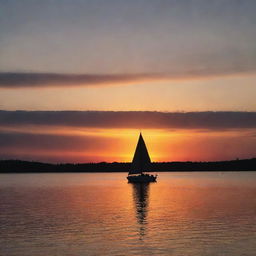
x=100, y=214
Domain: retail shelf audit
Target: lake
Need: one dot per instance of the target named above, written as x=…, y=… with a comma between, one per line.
x=184, y=213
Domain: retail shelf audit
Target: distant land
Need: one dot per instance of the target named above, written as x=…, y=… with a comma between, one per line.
x=18, y=166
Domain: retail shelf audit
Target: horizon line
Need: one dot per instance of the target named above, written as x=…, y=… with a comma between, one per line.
x=116, y=162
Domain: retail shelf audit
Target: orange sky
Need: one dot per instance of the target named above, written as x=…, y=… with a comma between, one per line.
x=94, y=145
x=165, y=56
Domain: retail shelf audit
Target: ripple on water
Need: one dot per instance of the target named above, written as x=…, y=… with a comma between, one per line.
x=183, y=214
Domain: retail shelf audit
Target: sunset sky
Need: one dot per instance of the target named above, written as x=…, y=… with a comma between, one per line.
x=80, y=79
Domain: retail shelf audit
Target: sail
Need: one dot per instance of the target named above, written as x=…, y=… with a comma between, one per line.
x=141, y=160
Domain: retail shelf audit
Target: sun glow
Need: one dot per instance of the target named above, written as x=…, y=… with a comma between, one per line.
x=80, y=144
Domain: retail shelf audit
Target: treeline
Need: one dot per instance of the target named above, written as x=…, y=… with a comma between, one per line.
x=18, y=166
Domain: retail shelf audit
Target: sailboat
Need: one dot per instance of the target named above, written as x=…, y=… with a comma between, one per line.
x=140, y=164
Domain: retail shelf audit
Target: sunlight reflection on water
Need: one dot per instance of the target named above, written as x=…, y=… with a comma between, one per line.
x=101, y=214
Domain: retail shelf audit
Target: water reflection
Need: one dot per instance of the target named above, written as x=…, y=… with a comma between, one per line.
x=140, y=198
x=67, y=214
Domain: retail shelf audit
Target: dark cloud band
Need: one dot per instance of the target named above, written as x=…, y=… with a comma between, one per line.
x=131, y=119
x=50, y=142
x=16, y=80
x=34, y=80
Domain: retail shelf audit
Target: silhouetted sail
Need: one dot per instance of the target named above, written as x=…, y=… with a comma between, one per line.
x=141, y=160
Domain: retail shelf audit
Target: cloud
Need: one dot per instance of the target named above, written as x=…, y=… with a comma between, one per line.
x=55, y=147
x=51, y=142
x=34, y=80
x=33, y=134
x=131, y=119
x=16, y=80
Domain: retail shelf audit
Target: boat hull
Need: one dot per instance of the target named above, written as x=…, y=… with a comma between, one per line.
x=141, y=178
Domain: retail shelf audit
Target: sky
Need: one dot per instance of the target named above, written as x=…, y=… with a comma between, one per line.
x=182, y=72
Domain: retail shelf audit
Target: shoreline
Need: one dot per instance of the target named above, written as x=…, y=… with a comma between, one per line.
x=19, y=166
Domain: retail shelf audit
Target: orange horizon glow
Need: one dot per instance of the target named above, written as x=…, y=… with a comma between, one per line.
x=118, y=145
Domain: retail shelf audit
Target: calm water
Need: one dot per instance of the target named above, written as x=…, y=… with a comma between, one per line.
x=100, y=214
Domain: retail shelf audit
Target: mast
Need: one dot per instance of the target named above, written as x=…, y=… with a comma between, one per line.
x=141, y=160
